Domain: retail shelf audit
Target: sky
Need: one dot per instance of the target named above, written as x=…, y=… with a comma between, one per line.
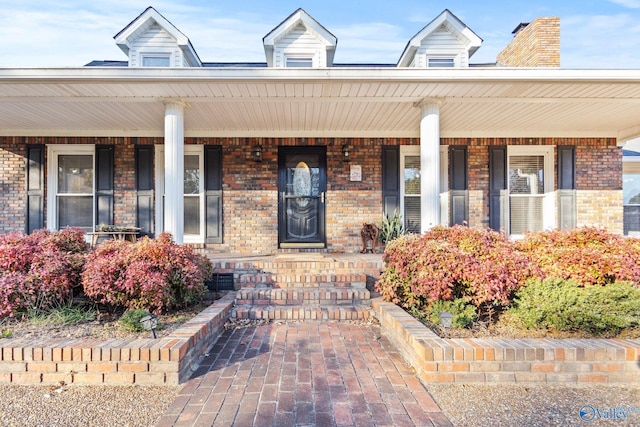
x=72, y=33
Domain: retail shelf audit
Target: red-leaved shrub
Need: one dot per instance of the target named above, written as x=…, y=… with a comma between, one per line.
x=40, y=270
x=589, y=256
x=479, y=265
x=155, y=274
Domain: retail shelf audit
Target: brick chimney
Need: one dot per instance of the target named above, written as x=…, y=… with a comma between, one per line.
x=536, y=44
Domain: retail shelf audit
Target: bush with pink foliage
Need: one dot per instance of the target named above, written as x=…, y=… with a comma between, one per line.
x=154, y=274
x=40, y=270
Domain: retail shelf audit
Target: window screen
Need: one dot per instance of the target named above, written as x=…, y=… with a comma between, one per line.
x=412, y=193
x=526, y=193
x=299, y=62
x=156, y=61
x=441, y=63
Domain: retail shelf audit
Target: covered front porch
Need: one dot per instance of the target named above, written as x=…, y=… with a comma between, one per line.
x=146, y=133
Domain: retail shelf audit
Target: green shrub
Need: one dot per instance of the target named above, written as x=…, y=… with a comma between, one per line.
x=463, y=313
x=564, y=305
x=130, y=320
x=391, y=228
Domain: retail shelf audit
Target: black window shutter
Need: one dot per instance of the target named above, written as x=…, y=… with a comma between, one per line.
x=144, y=189
x=35, y=188
x=213, y=193
x=567, y=187
x=498, y=201
x=458, y=185
x=104, y=184
x=390, y=179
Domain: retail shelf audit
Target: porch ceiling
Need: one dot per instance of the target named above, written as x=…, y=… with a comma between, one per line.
x=371, y=102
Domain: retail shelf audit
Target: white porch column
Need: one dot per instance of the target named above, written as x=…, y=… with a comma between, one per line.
x=430, y=165
x=174, y=170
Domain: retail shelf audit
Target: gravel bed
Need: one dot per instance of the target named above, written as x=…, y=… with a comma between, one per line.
x=94, y=406
x=537, y=405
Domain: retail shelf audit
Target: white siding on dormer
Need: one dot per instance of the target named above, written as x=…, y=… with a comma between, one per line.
x=441, y=43
x=155, y=40
x=300, y=43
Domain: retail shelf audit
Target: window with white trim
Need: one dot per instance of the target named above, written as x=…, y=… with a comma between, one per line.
x=70, y=180
x=156, y=60
x=298, y=62
x=631, y=195
x=194, y=207
x=410, y=175
x=530, y=187
x=410, y=187
x=440, y=62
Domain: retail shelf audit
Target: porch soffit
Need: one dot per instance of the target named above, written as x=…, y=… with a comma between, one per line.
x=358, y=102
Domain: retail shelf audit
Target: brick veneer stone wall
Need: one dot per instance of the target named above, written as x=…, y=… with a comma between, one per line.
x=536, y=45
x=250, y=188
x=598, y=178
x=12, y=184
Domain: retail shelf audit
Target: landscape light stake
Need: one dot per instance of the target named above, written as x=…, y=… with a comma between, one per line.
x=446, y=319
x=150, y=323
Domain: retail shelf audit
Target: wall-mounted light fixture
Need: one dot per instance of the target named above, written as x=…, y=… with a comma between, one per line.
x=346, y=153
x=256, y=153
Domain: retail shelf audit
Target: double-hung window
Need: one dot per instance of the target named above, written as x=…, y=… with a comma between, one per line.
x=530, y=181
x=410, y=187
x=194, y=206
x=631, y=192
x=410, y=175
x=71, y=187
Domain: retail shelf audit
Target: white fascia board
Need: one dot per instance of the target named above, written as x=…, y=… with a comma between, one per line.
x=385, y=74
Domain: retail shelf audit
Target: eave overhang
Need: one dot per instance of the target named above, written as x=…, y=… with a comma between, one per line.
x=331, y=102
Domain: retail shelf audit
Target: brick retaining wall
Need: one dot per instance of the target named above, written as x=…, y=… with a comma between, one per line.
x=170, y=360
x=572, y=361
x=165, y=361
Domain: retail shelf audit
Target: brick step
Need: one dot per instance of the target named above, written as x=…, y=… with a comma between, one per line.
x=359, y=312
x=297, y=267
x=261, y=280
x=293, y=296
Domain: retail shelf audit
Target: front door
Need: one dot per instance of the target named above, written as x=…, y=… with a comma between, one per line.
x=302, y=184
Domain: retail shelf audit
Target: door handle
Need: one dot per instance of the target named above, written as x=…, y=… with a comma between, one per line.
x=322, y=197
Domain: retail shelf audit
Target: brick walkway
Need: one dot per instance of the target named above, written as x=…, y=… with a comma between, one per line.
x=304, y=374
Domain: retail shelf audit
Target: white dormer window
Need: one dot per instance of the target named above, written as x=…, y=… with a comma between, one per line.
x=441, y=62
x=156, y=60
x=299, y=62
x=299, y=42
x=152, y=41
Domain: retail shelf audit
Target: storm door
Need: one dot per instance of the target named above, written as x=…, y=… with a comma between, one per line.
x=302, y=184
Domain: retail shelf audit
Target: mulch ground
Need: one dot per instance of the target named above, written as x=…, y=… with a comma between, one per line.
x=105, y=325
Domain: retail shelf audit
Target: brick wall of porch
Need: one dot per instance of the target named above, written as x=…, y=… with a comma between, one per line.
x=250, y=188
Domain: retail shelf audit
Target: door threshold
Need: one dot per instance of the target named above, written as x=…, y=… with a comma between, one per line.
x=302, y=245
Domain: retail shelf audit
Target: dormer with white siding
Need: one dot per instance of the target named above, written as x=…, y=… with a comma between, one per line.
x=152, y=41
x=299, y=41
x=445, y=42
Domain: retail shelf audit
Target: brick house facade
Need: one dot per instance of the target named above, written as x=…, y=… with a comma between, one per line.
x=438, y=140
